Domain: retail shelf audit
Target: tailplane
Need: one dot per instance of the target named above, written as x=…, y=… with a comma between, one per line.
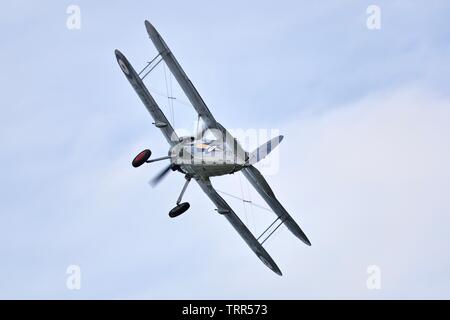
x=263, y=150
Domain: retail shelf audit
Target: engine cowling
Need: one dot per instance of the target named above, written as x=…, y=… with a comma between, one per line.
x=141, y=158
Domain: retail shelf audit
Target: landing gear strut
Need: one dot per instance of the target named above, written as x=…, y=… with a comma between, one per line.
x=143, y=157
x=181, y=207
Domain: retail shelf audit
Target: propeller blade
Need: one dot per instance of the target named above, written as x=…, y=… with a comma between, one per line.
x=160, y=176
x=200, y=130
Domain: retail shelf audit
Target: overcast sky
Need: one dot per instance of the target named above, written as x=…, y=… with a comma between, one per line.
x=364, y=166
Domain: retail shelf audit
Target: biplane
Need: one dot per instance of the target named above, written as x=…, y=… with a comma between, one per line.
x=199, y=159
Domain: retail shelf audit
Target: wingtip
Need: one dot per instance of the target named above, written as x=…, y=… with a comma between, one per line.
x=119, y=54
x=149, y=26
x=276, y=269
x=268, y=261
x=307, y=242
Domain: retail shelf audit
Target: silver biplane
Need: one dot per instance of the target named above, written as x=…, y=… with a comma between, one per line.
x=199, y=159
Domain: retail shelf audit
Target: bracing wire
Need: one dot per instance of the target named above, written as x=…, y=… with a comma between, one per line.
x=244, y=200
x=171, y=97
x=258, y=206
x=159, y=93
x=250, y=199
x=168, y=97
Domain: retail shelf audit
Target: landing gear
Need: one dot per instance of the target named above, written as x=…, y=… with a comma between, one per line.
x=141, y=158
x=181, y=207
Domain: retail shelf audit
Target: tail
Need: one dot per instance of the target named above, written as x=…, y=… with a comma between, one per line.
x=263, y=150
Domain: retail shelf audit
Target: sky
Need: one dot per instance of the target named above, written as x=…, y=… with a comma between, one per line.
x=363, y=167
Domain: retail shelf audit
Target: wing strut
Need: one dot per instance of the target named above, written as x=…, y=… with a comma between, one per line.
x=149, y=64
x=273, y=231
x=136, y=82
x=262, y=187
x=280, y=219
x=224, y=209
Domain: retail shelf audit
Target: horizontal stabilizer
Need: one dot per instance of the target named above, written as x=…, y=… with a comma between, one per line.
x=262, y=151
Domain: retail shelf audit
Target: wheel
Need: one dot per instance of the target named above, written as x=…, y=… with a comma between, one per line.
x=140, y=159
x=179, y=209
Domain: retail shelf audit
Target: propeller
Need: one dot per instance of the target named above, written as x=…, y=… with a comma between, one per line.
x=157, y=179
x=201, y=129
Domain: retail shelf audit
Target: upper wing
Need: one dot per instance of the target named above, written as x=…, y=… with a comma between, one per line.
x=239, y=226
x=186, y=84
x=193, y=95
x=150, y=103
x=260, y=184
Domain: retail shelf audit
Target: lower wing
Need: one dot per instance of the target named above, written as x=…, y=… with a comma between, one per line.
x=224, y=209
x=260, y=184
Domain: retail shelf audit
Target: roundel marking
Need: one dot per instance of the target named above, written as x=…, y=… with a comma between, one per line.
x=124, y=67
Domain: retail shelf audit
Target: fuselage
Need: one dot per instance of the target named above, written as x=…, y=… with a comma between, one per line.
x=205, y=158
